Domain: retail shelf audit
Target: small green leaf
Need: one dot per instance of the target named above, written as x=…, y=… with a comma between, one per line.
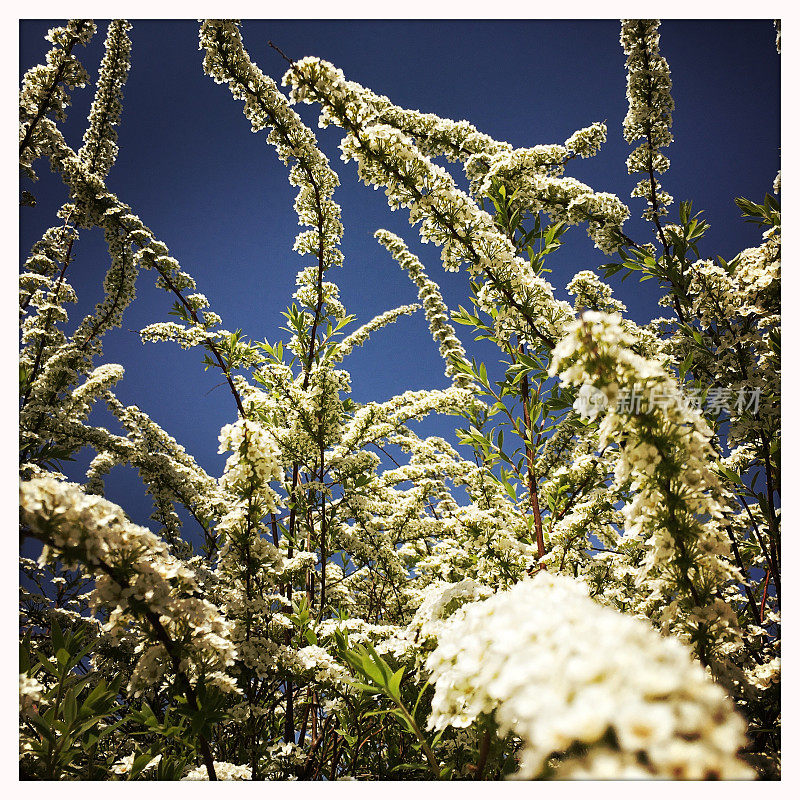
x=394, y=682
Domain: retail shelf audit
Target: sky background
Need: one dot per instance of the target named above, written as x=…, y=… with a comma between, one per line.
x=217, y=195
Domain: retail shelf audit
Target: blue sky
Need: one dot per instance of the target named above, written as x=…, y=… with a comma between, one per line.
x=218, y=196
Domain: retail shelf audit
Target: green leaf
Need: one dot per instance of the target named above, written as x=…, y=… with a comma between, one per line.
x=380, y=712
x=24, y=655
x=56, y=636
x=63, y=657
x=386, y=673
x=139, y=763
x=41, y=726
x=411, y=766
x=97, y=692
x=70, y=707
x=729, y=474
x=311, y=637
x=394, y=682
x=366, y=687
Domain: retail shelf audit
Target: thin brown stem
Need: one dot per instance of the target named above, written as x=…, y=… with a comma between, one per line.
x=533, y=491
x=740, y=565
x=764, y=596
x=483, y=755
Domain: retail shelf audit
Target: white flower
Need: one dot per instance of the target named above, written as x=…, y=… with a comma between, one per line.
x=224, y=770
x=590, y=402
x=30, y=692
x=124, y=765
x=557, y=668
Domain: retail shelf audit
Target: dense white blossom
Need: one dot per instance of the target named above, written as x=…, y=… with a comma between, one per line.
x=335, y=521
x=436, y=311
x=224, y=770
x=557, y=668
x=361, y=334
x=135, y=576
x=227, y=62
x=30, y=692
x=650, y=107
x=656, y=442
x=99, y=149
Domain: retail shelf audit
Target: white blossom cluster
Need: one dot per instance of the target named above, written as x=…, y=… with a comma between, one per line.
x=592, y=294
x=439, y=602
x=375, y=421
x=99, y=149
x=45, y=87
x=530, y=175
x=227, y=62
x=256, y=460
x=135, y=576
x=30, y=692
x=687, y=553
x=486, y=540
x=586, y=142
x=576, y=525
x=224, y=771
x=248, y=572
x=309, y=287
x=186, y=337
x=41, y=268
x=170, y=473
x=447, y=216
x=650, y=107
x=362, y=333
x=334, y=516
x=125, y=764
x=315, y=414
x=436, y=312
x=131, y=244
x=558, y=669
x=737, y=308
x=434, y=135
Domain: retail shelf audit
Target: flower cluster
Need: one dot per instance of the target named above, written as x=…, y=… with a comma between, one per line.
x=375, y=421
x=30, y=692
x=592, y=294
x=650, y=107
x=667, y=458
x=436, y=311
x=439, y=602
x=529, y=173
x=224, y=771
x=45, y=87
x=99, y=149
x=336, y=517
x=137, y=579
x=173, y=332
x=587, y=141
x=227, y=62
x=446, y=213
x=361, y=334
x=125, y=764
x=256, y=460
x=558, y=669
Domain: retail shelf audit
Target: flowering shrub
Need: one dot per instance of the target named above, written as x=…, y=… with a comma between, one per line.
x=614, y=679
x=587, y=586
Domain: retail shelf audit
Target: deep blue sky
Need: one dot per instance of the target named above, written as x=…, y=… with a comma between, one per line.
x=218, y=196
